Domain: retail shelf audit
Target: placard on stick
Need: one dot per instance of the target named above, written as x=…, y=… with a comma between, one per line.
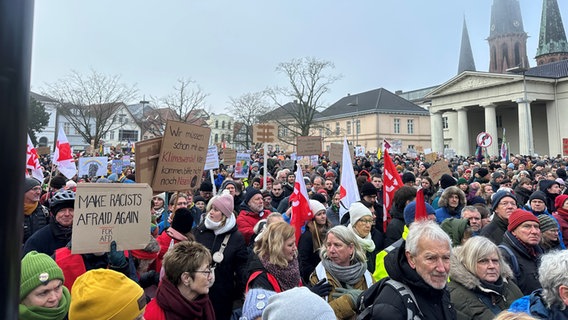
x=106, y=212
x=182, y=157
x=147, y=153
x=229, y=157
x=436, y=171
x=308, y=146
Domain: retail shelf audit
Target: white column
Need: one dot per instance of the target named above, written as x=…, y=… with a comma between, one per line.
x=437, y=132
x=463, y=133
x=491, y=128
x=525, y=128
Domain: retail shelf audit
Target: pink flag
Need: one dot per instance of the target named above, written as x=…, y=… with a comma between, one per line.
x=32, y=161
x=391, y=183
x=301, y=212
x=63, y=157
x=348, y=191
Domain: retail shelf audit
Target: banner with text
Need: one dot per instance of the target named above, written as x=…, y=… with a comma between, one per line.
x=212, y=160
x=308, y=146
x=93, y=166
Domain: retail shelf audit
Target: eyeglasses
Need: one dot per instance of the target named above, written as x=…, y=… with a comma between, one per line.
x=38, y=188
x=507, y=203
x=207, y=272
x=369, y=221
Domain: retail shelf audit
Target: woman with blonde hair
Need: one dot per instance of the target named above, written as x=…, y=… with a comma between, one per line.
x=480, y=286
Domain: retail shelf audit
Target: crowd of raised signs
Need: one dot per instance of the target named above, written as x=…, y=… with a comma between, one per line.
x=484, y=240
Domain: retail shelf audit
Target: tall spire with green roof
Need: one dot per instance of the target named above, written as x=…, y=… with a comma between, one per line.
x=552, y=44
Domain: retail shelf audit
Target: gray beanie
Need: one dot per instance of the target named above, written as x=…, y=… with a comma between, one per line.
x=30, y=183
x=298, y=303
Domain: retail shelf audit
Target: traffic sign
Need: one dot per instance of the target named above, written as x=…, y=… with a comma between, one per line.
x=484, y=139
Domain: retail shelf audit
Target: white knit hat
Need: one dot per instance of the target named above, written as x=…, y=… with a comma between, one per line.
x=298, y=303
x=316, y=206
x=357, y=210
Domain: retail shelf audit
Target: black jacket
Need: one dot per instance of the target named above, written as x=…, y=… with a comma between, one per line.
x=395, y=227
x=528, y=264
x=48, y=239
x=522, y=195
x=35, y=221
x=308, y=259
x=229, y=274
x=433, y=303
x=495, y=230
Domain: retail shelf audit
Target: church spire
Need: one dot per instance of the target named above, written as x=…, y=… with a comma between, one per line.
x=466, y=62
x=552, y=44
x=507, y=38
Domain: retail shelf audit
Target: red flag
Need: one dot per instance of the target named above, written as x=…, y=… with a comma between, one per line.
x=301, y=212
x=420, y=213
x=32, y=161
x=391, y=183
x=348, y=191
x=63, y=157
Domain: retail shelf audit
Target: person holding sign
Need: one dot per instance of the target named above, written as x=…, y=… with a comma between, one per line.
x=218, y=232
x=184, y=290
x=58, y=232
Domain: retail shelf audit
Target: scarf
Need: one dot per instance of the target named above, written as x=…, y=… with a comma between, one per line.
x=60, y=232
x=496, y=287
x=349, y=275
x=530, y=249
x=288, y=277
x=30, y=208
x=177, y=307
x=562, y=212
x=216, y=226
x=366, y=243
x=41, y=313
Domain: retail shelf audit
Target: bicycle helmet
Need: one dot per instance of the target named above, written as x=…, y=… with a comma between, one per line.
x=62, y=199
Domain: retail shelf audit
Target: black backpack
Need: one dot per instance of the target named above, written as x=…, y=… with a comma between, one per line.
x=368, y=299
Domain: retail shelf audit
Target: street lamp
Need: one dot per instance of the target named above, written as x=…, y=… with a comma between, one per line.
x=523, y=70
x=356, y=105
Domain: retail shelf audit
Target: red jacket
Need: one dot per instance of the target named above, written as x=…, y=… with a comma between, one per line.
x=165, y=241
x=246, y=222
x=154, y=312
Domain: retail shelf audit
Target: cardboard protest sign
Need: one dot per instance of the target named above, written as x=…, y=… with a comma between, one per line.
x=182, y=157
x=147, y=153
x=242, y=165
x=93, y=166
x=336, y=152
x=106, y=212
x=431, y=157
x=229, y=157
x=43, y=150
x=437, y=170
x=308, y=146
x=212, y=160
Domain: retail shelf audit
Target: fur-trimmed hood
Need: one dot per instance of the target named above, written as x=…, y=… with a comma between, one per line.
x=443, y=202
x=460, y=274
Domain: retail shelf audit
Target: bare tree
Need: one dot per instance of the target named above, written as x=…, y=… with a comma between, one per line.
x=89, y=102
x=246, y=109
x=309, y=81
x=185, y=104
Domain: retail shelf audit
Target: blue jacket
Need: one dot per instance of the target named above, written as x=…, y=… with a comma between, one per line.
x=443, y=213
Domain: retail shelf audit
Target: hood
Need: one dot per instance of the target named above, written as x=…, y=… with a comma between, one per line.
x=460, y=274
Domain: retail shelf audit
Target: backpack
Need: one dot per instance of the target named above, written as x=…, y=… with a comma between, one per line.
x=368, y=299
x=514, y=263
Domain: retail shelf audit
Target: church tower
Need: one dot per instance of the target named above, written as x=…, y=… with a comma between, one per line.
x=466, y=62
x=552, y=44
x=507, y=38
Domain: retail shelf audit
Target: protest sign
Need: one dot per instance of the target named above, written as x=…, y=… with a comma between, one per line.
x=116, y=167
x=288, y=164
x=43, y=150
x=308, y=146
x=212, y=160
x=126, y=160
x=93, y=166
x=437, y=170
x=147, y=153
x=335, y=152
x=106, y=212
x=242, y=165
x=229, y=157
x=431, y=157
x=182, y=157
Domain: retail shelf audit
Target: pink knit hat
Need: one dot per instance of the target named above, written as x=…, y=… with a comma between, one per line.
x=224, y=203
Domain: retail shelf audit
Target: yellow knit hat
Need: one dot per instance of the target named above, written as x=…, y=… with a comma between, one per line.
x=106, y=294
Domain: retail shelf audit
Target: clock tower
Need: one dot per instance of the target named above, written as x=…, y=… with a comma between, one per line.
x=507, y=37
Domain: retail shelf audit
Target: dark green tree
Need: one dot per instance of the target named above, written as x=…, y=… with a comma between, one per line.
x=39, y=118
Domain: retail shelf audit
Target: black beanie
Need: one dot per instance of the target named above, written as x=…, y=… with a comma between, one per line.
x=183, y=221
x=561, y=172
x=30, y=183
x=538, y=195
x=447, y=181
x=250, y=192
x=58, y=182
x=206, y=186
x=319, y=197
x=408, y=177
x=368, y=189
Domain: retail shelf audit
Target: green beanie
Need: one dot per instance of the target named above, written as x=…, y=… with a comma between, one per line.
x=37, y=269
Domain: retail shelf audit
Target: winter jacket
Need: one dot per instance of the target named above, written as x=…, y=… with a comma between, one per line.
x=48, y=239
x=261, y=281
x=495, y=230
x=36, y=220
x=276, y=200
x=522, y=195
x=308, y=258
x=343, y=306
x=444, y=213
x=528, y=264
x=472, y=300
x=562, y=218
x=395, y=227
x=433, y=303
x=534, y=305
x=332, y=213
x=229, y=274
x=247, y=219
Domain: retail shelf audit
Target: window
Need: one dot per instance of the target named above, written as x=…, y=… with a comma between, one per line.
x=111, y=135
x=283, y=131
x=327, y=129
x=337, y=129
x=410, y=126
x=216, y=124
x=128, y=135
x=121, y=118
x=223, y=124
x=320, y=130
x=499, y=121
x=396, y=125
x=216, y=137
x=411, y=146
x=445, y=122
x=229, y=138
x=229, y=125
x=223, y=136
x=66, y=127
x=348, y=127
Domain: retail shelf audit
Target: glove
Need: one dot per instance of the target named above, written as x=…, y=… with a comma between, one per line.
x=322, y=288
x=353, y=294
x=116, y=259
x=149, y=279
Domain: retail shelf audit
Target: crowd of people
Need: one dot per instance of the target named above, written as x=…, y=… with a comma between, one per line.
x=485, y=240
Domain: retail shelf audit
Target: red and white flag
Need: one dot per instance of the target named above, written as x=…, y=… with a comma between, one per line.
x=391, y=183
x=63, y=157
x=301, y=212
x=348, y=191
x=32, y=161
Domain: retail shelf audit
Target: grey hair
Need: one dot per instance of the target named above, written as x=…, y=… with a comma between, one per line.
x=470, y=208
x=478, y=248
x=348, y=237
x=425, y=229
x=551, y=275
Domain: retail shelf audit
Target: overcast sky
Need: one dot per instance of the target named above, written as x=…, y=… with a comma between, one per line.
x=233, y=47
